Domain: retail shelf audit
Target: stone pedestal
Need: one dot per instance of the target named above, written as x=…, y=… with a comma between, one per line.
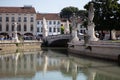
x=113, y=34
x=16, y=38
x=91, y=32
x=74, y=36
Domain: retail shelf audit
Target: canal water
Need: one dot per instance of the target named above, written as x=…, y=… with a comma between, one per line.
x=54, y=64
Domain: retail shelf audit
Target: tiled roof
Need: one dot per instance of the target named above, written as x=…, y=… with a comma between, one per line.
x=48, y=16
x=17, y=10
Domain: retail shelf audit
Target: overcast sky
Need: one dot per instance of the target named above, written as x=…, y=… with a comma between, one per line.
x=46, y=6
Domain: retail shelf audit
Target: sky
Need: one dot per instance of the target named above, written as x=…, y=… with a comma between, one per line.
x=45, y=6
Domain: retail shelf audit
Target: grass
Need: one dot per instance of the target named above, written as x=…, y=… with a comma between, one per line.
x=115, y=40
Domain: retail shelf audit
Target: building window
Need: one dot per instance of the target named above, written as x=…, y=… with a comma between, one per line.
x=38, y=22
x=58, y=22
x=58, y=29
x=0, y=27
x=50, y=29
x=32, y=19
x=38, y=29
x=41, y=22
x=41, y=29
x=0, y=19
x=31, y=27
x=19, y=28
x=84, y=31
x=54, y=22
x=50, y=22
x=25, y=28
x=25, y=19
x=54, y=29
x=13, y=19
x=81, y=31
x=12, y=27
x=7, y=19
x=7, y=27
x=19, y=19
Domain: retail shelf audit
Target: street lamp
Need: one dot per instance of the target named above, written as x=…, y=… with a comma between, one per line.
x=15, y=35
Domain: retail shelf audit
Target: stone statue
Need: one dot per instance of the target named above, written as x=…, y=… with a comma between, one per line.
x=67, y=28
x=91, y=25
x=74, y=22
x=90, y=14
x=74, y=29
x=45, y=29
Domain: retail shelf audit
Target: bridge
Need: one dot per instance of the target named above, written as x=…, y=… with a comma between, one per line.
x=57, y=40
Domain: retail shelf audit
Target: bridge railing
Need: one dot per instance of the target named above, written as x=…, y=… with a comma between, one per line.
x=57, y=36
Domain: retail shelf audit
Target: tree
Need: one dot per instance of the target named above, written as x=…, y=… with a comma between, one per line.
x=107, y=15
x=67, y=12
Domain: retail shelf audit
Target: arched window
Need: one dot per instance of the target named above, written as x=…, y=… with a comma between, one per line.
x=0, y=27
x=41, y=29
x=7, y=27
x=54, y=29
x=13, y=27
x=31, y=27
x=50, y=29
x=25, y=27
x=38, y=29
x=19, y=28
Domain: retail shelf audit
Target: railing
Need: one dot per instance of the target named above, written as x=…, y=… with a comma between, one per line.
x=50, y=39
x=58, y=37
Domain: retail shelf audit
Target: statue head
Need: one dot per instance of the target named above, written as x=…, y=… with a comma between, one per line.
x=91, y=8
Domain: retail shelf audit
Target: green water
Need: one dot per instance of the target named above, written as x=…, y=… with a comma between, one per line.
x=55, y=64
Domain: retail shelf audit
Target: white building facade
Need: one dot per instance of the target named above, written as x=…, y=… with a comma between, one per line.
x=53, y=23
x=24, y=16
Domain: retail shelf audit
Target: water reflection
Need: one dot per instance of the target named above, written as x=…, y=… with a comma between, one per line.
x=54, y=65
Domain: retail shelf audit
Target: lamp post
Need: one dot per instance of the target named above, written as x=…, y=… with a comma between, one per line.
x=16, y=36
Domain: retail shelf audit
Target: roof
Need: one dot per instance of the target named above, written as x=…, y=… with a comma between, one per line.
x=48, y=16
x=25, y=9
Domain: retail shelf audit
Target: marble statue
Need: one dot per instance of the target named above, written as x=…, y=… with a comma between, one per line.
x=91, y=25
x=67, y=28
x=90, y=14
x=45, y=29
x=74, y=29
x=16, y=35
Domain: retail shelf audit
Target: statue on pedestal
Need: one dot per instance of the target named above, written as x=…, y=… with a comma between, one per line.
x=74, y=29
x=16, y=35
x=67, y=28
x=91, y=24
x=45, y=29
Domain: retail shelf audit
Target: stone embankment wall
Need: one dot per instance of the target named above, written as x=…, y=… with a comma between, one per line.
x=23, y=45
x=99, y=49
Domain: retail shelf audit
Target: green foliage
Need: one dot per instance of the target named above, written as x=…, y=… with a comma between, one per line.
x=107, y=14
x=17, y=44
x=67, y=12
x=62, y=29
